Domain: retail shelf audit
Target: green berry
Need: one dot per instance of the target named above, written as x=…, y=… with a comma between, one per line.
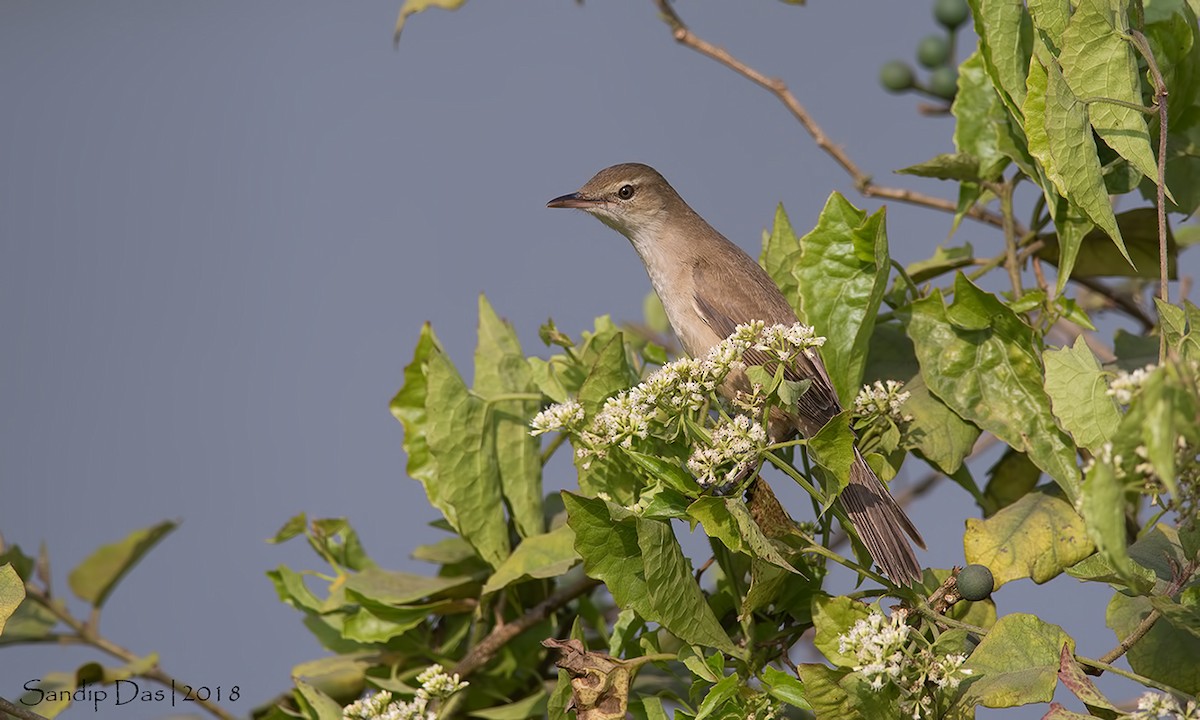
x=975, y=582
x=896, y=76
x=951, y=13
x=943, y=82
x=933, y=51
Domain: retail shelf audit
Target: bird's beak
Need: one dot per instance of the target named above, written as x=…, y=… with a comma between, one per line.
x=574, y=200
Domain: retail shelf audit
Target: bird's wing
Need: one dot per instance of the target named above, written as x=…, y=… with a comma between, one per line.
x=745, y=296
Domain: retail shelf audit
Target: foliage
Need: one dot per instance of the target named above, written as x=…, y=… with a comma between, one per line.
x=1099, y=477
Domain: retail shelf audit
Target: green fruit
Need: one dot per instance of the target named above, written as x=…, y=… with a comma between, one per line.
x=951, y=13
x=943, y=82
x=896, y=76
x=933, y=51
x=975, y=582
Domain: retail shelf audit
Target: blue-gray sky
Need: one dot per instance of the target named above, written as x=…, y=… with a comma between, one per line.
x=222, y=224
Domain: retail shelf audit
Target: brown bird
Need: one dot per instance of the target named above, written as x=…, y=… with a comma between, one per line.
x=709, y=286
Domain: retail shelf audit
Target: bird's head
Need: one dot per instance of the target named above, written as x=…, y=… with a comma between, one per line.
x=631, y=198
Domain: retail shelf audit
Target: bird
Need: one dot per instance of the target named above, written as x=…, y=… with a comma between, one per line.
x=708, y=286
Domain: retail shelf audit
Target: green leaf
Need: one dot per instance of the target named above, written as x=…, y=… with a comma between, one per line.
x=1005, y=40
x=1097, y=62
x=1078, y=393
x=842, y=276
x=677, y=602
x=980, y=359
x=415, y=6
x=461, y=443
x=785, y=687
x=1036, y=537
x=936, y=433
x=392, y=587
x=376, y=623
x=1157, y=654
x=1066, y=150
x=290, y=587
x=1050, y=16
x=609, y=374
x=668, y=472
x=832, y=618
x=1073, y=678
x=1103, y=505
x=541, y=556
x=1009, y=480
x=408, y=406
x=316, y=704
x=1181, y=326
x=718, y=695
x=780, y=254
x=501, y=369
x=532, y=706
x=1185, y=616
x=833, y=449
x=1016, y=663
x=944, y=260
x=12, y=592
x=51, y=696
x=961, y=166
x=822, y=687
x=96, y=577
x=729, y=520
x=1098, y=257
x=975, y=132
x=641, y=564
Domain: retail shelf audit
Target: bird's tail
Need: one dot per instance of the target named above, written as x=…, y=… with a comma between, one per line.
x=881, y=523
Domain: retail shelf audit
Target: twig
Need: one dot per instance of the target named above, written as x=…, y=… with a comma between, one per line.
x=502, y=634
x=87, y=633
x=1011, y=263
x=18, y=711
x=779, y=89
x=1183, y=577
x=1123, y=302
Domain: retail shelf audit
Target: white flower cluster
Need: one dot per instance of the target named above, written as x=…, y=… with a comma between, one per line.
x=734, y=443
x=562, y=416
x=883, y=399
x=1152, y=706
x=878, y=646
x=435, y=685
x=1125, y=385
x=684, y=386
x=787, y=342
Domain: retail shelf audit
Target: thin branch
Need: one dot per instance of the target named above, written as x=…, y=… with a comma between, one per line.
x=779, y=89
x=1122, y=301
x=18, y=711
x=1183, y=577
x=87, y=633
x=502, y=634
x=1011, y=263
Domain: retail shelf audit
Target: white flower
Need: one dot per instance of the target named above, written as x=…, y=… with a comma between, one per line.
x=877, y=644
x=562, y=416
x=734, y=443
x=884, y=399
x=787, y=342
x=437, y=684
x=1125, y=385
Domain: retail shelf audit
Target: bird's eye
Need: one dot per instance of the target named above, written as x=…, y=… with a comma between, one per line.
x=625, y=192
